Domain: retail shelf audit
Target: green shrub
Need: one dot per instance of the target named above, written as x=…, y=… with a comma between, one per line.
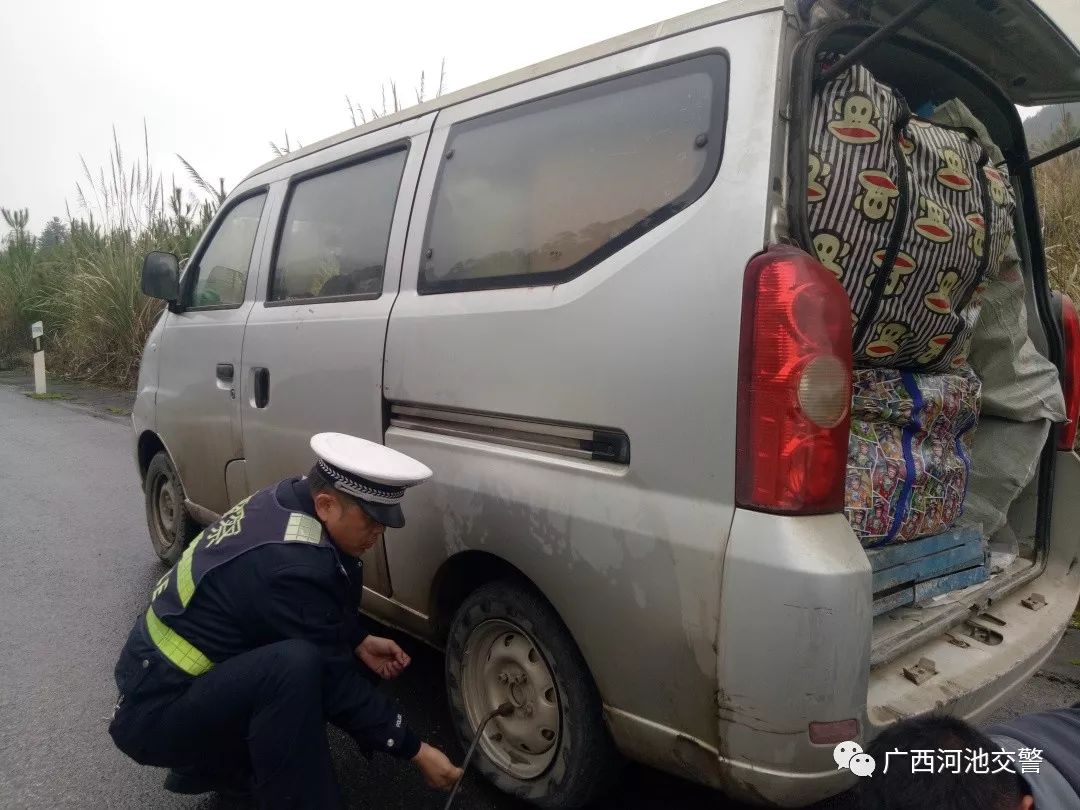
x=83, y=280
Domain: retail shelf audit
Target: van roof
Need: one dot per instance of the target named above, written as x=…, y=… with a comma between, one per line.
x=1029, y=47
x=721, y=12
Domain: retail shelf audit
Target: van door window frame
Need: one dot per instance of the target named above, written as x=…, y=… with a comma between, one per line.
x=719, y=71
x=374, y=153
x=191, y=272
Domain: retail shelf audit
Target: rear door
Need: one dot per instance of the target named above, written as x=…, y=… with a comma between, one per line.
x=198, y=409
x=1028, y=47
x=313, y=350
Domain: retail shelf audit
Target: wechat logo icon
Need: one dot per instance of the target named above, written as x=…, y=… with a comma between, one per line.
x=850, y=755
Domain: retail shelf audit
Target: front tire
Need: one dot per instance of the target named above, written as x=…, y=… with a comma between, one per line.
x=507, y=644
x=171, y=528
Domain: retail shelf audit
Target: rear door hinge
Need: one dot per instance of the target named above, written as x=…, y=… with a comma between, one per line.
x=921, y=672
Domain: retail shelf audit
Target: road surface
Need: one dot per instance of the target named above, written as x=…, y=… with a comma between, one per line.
x=76, y=567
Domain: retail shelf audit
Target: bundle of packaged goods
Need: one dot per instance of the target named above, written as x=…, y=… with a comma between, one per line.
x=915, y=220
x=909, y=216
x=909, y=452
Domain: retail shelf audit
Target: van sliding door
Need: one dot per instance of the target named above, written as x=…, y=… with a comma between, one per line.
x=313, y=348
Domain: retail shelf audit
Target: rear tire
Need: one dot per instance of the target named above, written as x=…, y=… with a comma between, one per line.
x=506, y=643
x=171, y=528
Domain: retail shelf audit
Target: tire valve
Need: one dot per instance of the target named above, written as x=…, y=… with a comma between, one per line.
x=503, y=710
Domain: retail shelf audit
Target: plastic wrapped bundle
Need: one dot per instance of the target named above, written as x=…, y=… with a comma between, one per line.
x=909, y=215
x=909, y=452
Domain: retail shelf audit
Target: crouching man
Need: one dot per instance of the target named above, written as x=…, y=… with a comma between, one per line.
x=253, y=642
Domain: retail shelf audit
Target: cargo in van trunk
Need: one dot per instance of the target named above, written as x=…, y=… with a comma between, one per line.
x=1004, y=347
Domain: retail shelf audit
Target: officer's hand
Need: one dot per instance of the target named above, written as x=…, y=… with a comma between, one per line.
x=437, y=770
x=382, y=656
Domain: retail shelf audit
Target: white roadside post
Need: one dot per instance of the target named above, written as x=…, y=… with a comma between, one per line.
x=37, y=332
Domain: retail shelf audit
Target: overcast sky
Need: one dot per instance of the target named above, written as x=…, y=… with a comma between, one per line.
x=216, y=81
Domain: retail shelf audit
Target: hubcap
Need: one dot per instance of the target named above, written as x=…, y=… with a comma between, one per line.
x=167, y=504
x=502, y=664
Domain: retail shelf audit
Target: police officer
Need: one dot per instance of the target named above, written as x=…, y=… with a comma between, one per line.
x=253, y=641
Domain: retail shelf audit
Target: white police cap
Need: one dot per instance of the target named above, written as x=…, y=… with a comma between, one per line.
x=374, y=474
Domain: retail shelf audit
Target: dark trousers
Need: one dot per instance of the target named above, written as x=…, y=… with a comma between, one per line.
x=261, y=710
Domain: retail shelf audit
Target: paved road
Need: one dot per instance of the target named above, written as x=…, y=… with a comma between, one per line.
x=75, y=569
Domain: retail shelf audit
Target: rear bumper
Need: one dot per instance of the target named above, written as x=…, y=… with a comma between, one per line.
x=970, y=683
x=794, y=647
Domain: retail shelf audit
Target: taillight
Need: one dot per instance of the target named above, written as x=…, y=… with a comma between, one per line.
x=794, y=386
x=1070, y=327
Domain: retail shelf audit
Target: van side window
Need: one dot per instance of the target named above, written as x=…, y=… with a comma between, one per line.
x=222, y=271
x=541, y=192
x=336, y=230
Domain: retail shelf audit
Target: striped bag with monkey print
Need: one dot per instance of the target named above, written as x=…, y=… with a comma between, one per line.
x=911, y=219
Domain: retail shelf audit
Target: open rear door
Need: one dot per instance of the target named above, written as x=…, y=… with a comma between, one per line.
x=1028, y=47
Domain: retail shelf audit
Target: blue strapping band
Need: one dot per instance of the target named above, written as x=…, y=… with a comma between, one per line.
x=910, y=429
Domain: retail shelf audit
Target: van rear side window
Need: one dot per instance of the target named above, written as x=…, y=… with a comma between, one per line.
x=333, y=241
x=539, y=193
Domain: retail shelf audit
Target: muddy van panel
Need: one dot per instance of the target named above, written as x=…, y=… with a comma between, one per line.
x=792, y=650
x=644, y=342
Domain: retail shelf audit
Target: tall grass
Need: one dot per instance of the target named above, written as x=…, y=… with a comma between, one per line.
x=86, y=288
x=1057, y=182
x=20, y=279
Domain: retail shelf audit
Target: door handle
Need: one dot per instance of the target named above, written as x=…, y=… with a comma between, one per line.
x=262, y=387
x=225, y=372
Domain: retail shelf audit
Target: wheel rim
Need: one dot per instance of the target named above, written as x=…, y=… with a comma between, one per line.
x=501, y=664
x=166, y=504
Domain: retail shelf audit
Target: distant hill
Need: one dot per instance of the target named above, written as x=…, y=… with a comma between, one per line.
x=1039, y=127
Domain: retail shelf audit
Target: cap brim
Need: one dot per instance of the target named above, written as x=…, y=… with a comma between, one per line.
x=388, y=514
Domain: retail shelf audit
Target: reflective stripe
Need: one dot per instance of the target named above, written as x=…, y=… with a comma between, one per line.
x=177, y=649
x=185, y=585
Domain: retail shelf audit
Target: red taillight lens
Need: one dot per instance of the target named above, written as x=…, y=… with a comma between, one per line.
x=794, y=386
x=1070, y=327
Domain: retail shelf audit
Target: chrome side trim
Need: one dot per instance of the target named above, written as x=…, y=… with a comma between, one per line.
x=392, y=613
x=575, y=441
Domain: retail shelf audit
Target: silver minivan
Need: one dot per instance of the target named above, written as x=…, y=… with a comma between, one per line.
x=536, y=286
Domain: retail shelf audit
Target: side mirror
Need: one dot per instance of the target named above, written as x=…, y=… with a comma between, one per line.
x=161, y=276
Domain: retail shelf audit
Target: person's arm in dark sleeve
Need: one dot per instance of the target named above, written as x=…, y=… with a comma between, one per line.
x=357, y=629
x=354, y=629
x=299, y=601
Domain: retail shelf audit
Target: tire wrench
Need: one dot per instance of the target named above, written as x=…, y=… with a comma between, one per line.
x=503, y=710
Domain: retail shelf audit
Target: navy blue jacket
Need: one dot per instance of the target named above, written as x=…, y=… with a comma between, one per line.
x=291, y=591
